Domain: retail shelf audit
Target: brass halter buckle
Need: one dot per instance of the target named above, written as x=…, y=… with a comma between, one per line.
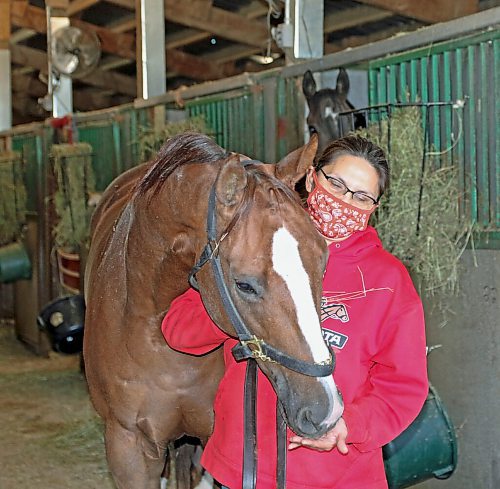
x=255, y=345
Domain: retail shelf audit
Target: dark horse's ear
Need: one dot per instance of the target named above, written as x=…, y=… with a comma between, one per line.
x=342, y=82
x=294, y=166
x=231, y=181
x=308, y=85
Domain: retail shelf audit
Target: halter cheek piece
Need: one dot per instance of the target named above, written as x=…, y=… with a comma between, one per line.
x=251, y=348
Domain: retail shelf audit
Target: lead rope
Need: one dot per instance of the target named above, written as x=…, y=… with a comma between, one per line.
x=281, y=447
x=250, y=433
x=250, y=427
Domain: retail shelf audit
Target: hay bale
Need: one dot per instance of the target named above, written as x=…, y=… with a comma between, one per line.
x=72, y=165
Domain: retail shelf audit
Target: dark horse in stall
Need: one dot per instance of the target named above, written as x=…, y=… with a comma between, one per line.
x=147, y=233
x=326, y=107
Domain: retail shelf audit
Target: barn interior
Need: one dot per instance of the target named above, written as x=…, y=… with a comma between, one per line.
x=204, y=40
x=234, y=70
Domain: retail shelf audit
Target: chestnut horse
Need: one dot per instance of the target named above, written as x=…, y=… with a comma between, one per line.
x=326, y=107
x=147, y=233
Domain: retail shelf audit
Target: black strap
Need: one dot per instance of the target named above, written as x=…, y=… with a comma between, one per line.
x=250, y=427
x=242, y=352
x=281, y=443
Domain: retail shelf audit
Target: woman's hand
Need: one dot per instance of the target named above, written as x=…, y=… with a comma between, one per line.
x=336, y=437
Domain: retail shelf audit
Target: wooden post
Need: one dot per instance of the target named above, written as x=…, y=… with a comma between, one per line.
x=5, y=74
x=150, y=48
x=61, y=87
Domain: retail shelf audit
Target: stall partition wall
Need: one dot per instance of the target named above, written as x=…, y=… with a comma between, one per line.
x=467, y=71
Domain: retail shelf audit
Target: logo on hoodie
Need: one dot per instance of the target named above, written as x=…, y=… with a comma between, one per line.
x=333, y=311
x=334, y=339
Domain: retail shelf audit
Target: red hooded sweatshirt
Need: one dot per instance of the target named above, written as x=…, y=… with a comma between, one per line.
x=372, y=317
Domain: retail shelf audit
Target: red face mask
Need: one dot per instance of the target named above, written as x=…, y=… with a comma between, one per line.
x=334, y=218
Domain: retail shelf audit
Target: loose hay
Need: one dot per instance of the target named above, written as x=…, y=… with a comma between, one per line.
x=75, y=182
x=430, y=244
x=150, y=141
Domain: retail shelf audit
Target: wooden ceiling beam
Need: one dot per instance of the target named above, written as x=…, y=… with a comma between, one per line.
x=83, y=100
x=77, y=6
x=217, y=21
x=355, y=41
x=30, y=17
x=189, y=36
x=122, y=45
x=430, y=11
x=195, y=67
x=125, y=24
x=28, y=85
x=37, y=59
x=21, y=35
x=128, y=4
x=26, y=106
x=354, y=17
x=5, y=27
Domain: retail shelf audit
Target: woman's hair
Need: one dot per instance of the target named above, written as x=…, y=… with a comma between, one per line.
x=362, y=148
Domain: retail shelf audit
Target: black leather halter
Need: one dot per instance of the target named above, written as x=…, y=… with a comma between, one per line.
x=251, y=348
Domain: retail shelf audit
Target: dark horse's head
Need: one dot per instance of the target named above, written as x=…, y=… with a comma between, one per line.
x=272, y=260
x=325, y=105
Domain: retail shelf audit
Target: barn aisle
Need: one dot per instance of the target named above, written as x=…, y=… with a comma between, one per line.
x=51, y=437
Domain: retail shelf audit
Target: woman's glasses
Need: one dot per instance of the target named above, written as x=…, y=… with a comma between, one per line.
x=339, y=188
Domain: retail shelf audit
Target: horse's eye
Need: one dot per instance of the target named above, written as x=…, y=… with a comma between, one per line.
x=312, y=130
x=246, y=288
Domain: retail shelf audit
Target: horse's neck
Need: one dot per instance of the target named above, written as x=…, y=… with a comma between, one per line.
x=162, y=240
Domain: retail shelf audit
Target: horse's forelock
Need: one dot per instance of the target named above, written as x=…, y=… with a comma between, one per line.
x=177, y=151
x=260, y=180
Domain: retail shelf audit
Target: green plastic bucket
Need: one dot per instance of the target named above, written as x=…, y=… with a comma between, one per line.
x=14, y=263
x=426, y=449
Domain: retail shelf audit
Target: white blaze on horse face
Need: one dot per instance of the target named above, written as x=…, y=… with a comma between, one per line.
x=288, y=265
x=330, y=113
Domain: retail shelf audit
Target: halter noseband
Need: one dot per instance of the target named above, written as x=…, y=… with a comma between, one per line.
x=249, y=345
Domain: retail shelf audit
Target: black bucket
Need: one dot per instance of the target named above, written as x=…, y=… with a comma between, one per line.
x=426, y=449
x=63, y=320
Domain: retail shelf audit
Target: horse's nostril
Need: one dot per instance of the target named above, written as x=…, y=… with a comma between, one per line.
x=309, y=422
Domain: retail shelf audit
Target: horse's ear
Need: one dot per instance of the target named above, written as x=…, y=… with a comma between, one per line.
x=342, y=82
x=231, y=181
x=294, y=166
x=308, y=85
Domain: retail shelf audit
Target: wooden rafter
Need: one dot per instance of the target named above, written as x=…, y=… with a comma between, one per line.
x=37, y=59
x=219, y=22
x=333, y=23
x=30, y=17
x=5, y=28
x=21, y=35
x=355, y=41
x=188, y=36
x=349, y=18
x=430, y=11
x=77, y=6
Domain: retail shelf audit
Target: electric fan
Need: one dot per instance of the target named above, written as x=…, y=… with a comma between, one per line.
x=75, y=52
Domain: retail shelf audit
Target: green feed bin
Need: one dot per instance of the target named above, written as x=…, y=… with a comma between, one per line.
x=14, y=263
x=426, y=449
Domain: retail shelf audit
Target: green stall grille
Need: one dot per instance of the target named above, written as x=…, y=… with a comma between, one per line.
x=33, y=147
x=235, y=119
x=466, y=70
x=114, y=144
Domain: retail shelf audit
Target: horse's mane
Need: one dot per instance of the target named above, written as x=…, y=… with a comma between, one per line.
x=189, y=147
x=193, y=147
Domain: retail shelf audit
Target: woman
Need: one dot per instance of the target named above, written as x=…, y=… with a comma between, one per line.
x=371, y=317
